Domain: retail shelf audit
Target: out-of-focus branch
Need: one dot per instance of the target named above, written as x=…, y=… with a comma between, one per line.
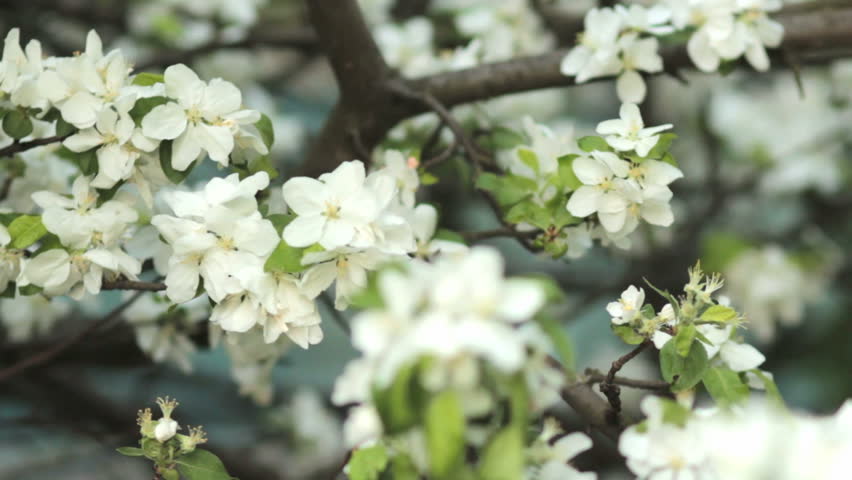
x=301, y=39
x=593, y=409
x=45, y=356
x=19, y=147
x=124, y=284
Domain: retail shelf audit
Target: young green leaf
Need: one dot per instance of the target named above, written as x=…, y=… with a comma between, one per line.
x=684, y=339
x=26, y=230
x=683, y=372
x=201, y=465
x=285, y=259
x=445, y=426
x=719, y=314
x=267, y=133
x=17, y=124
x=146, y=79
x=592, y=143
x=368, y=463
x=175, y=176
x=130, y=451
x=725, y=386
x=503, y=458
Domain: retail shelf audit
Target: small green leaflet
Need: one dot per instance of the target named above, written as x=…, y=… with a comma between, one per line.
x=445, y=441
x=174, y=175
x=725, y=386
x=146, y=79
x=592, y=143
x=17, y=124
x=503, y=458
x=264, y=127
x=26, y=230
x=202, y=465
x=368, y=463
x=285, y=259
x=130, y=451
x=683, y=372
x=719, y=314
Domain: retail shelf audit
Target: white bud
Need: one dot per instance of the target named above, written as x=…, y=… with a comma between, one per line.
x=166, y=428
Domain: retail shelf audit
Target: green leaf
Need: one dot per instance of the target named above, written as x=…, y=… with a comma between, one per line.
x=503, y=458
x=267, y=133
x=401, y=468
x=719, y=249
x=17, y=124
x=368, y=463
x=725, y=386
x=261, y=163
x=143, y=106
x=519, y=402
x=683, y=372
x=684, y=339
x=719, y=314
x=146, y=79
x=593, y=143
x=7, y=218
x=48, y=242
x=670, y=159
x=567, y=178
x=674, y=413
x=427, y=178
x=507, y=189
x=445, y=426
x=398, y=403
x=529, y=158
x=130, y=451
x=505, y=138
x=175, y=176
x=449, y=235
x=28, y=290
x=26, y=230
x=202, y=465
x=64, y=128
x=11, y=287
x=280, y=220
x=369, y=296
x=285, y=259
x=151, y=448
x=772, y=391
x=662, y=146
x=626, y=333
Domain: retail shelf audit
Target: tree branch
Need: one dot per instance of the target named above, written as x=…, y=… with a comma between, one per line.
x=124, y=284
x=57, y=349
x=593, y=409
x=19, y=147
x=816, y=33
x=595, y=376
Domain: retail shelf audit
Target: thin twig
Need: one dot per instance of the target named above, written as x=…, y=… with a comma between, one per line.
x=19, y=147
x=57, y=349
x=608, y=386
x=124, y=284
x=474, y=237
x=595, y=376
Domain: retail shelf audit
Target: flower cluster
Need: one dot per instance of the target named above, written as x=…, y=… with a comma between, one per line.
x=625, y=177
x=724, y=363
x=758, y=441
x=441, y=333
x=623, y=41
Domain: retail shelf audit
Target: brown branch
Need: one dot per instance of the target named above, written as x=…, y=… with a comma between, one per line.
x=45, y=356
x=302, y=39
x=816, y=33
x=125, y=284
x=19, y=147
x=608, y=386
x=474, y=237
x=595, y=376
x=593, y=409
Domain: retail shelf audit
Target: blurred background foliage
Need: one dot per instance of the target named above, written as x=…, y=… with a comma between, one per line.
x=765, y=200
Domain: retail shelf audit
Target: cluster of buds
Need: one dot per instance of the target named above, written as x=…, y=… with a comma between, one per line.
x=160, y=441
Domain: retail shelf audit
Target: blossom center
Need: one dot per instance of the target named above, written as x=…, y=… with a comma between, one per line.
x=332, y=211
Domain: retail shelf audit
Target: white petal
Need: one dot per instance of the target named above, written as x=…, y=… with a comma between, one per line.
x=164, y=122
x=631, y=87
x=584, y=201
x=304, y=230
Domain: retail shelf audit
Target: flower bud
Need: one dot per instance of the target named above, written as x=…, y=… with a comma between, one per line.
x=166, y=429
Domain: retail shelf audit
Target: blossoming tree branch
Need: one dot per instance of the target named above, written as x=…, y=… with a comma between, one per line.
x=166, y=184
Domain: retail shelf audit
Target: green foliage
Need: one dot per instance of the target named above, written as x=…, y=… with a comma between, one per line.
x=285, y=259
x=772, y=392
x=674, y=413
x=725, y=386
x=566, y=178
x=143, y=106
x=502, y=138
x=684, y=339
x=449, y=235
x=399, y=404
x=719, y=314
x=175, y=176
x=26, y=230
x=593, y=143
x=201, y=465
x=719, y=249
x=264, y=127
x=130, y=451
x=528, y=158
x=662, y=147
x=368, y=463
x=17, y=124
x=626, y=333
x=28, y=290
x=146, y=79
x=507, y=189
x=445, y=440
x=683, y=372
x=280, y=220
x=503, y=458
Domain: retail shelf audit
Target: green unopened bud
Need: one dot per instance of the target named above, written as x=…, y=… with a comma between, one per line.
x=189, y=442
